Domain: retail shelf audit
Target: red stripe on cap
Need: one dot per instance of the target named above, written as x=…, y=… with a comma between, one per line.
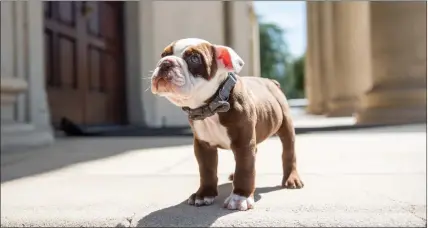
x=224, y=55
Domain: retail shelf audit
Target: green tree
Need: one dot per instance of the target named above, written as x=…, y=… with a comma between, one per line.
x=274, y=53
x=295, y=81
x=299, y=75
x=277, y=63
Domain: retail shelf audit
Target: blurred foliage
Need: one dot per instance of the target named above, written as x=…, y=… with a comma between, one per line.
x=277, y=63
x=296, y=79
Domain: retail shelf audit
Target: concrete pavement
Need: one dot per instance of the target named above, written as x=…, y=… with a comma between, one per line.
x=367, y=177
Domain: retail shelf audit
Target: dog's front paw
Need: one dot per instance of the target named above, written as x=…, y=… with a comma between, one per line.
x=198, y=201
x=237, y=202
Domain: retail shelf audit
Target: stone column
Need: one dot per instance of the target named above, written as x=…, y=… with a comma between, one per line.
x=398, y=36
x=12, y=85
x=24, y=119
x=254, y=41
x=10, y=89
x=240, y=32
x=313, y=76
x=346, y=55
x=326, y=56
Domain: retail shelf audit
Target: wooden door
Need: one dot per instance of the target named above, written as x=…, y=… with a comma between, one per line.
x=84, y=61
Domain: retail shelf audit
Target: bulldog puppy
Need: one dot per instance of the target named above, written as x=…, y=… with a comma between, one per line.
x=193, y=73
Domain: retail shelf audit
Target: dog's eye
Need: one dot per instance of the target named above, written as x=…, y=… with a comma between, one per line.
x=194, y=59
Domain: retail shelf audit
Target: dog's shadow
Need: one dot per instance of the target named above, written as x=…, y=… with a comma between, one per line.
x=182, y=214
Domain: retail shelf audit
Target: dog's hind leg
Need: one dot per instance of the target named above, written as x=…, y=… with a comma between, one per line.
x=286, y=134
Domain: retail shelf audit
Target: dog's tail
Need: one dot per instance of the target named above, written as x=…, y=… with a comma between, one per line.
x=231, y=176
x=276, y=83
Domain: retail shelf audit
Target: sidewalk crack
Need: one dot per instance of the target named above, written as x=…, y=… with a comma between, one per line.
x=411, y=208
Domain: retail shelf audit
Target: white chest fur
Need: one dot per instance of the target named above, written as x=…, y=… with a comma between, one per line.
x=210, y=130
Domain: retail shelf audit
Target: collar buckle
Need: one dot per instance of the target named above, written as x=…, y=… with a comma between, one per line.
x=218, y=104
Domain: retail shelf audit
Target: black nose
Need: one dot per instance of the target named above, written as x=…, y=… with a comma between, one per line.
x=166, y=64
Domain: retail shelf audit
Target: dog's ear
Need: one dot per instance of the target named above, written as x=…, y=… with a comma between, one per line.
x=228, y=59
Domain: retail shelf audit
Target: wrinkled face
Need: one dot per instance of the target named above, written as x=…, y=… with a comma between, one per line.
x=191, y=70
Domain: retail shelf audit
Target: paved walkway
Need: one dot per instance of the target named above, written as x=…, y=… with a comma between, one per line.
x=373, y=177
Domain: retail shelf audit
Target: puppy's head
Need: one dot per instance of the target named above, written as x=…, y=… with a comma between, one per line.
x=191, y=70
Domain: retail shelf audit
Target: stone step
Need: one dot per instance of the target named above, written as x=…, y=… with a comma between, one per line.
x=16, y=128
x=20, y=135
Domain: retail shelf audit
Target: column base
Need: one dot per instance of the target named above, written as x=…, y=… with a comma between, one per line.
x=394, y=106
x=19, y=135
x=315, y=110
x=392, y=116
x=342, y=107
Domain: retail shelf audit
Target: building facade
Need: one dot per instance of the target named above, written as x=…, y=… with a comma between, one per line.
x=89, y=61
x=367, y=59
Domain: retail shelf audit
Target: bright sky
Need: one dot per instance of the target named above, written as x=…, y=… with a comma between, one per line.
x=291, y=16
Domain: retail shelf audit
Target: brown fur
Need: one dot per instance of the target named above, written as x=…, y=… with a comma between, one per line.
x=169, y=50
x=208, y=68
x=258, y=110
x=276, y=83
